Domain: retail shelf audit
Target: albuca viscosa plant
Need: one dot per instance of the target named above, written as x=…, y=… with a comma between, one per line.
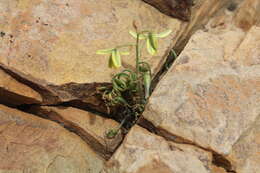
x=131, y=88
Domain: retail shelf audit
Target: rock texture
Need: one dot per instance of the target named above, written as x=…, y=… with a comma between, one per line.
x=180, y=9
x=214, y=108
x=80, y=95
x=12, y=92
x=91, y=127
x=248, y=14
x=143, y=152
x=211, y=95
x=245, y=156
x=56, y=40
x=31, y=144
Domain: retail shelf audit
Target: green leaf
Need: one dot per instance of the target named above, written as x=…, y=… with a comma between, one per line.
x=147, y=83
x=124, y=53
x=134, y=34
x=110, y=62
x=163, y=34
x=116, y=59
x=104, y=51
x=121, y=100
x=152, y=44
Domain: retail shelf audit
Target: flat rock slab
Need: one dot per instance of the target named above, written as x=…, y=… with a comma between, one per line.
x=56, y=40
x=211, y=95
x=91, y=127
x=13, y=92
x=245, y=156
x=31, y=144
x=144, y=152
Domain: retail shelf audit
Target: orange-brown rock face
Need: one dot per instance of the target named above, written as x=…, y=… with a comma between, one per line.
x=91, y=127
x=32, y=144
x=57, y=40
x=211, y=95
x=13, y=92
x=144, y=152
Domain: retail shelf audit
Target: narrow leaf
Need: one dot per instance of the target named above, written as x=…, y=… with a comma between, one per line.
x=147, y=84
x=104, y=51
x=116, y=59
x=163, y=34
x=110, y=62
x=151, y=44
x=134, y=34
x=124, y=53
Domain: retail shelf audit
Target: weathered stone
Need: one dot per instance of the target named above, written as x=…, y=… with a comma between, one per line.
x=92, y=128
x=56, y=40
x=248, y=14
x=211, y=95
x=180, y=9
x=245, y=156
x=12, y=92
x=31, y=144
x=80, y=95
x=144, y=152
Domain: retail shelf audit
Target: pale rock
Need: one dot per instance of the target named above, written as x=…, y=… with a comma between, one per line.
x=13, y=92
x=144, y=152
x=32, y=144
x=207, y=97
x=91, y=127
x=56, y=40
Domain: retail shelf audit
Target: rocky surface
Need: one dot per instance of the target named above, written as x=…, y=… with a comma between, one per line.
x=12, y=92
x=214, y=108
x=211, y=95
x=56, y=40
x=203, y=117
x=91, y=127
x=248, y=14
x=32, y=144
x=143, y=152
x=245, y=156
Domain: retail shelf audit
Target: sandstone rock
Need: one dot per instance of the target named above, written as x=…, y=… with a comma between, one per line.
x=80, y=95
x=32, y=144
x=92, y=128
x=248, y=14
x=211, y=95
x=56, y=40
x=144, y=152
x=176, y=8
x=245, y=156
x=13, y=92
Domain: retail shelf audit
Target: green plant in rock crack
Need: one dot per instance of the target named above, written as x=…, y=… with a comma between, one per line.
x=130, y=89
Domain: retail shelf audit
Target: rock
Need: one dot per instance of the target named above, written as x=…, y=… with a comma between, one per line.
x=211, y=95
x=144, y=152
x=12, y=92
x=245, y=156
x=56, y=41
x=80, y=95
x=31, y=144
x=175, y=8
x=248, y=14
x=91, y=127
